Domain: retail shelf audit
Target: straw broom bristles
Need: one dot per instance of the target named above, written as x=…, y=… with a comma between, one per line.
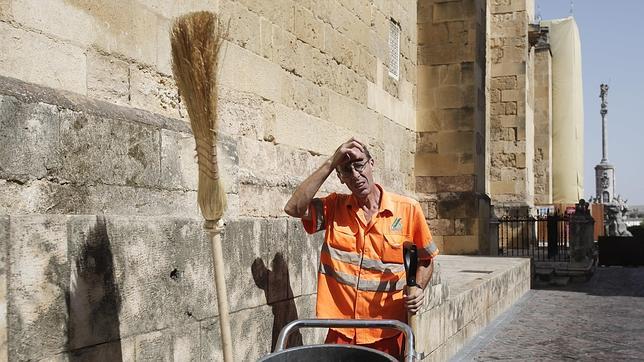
x=196, y=39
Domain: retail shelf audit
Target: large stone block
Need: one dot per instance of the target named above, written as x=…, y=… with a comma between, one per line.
x=356, y=117
x=348, y=82
x=182, y=343
x=461, y=244
x=366, y=64
x=455, y=142
x=108, y=151
x=246, y=72
x=457, y=205
x=306, y=96
x=283, y=48
x=342, y=49
x=382, y=102
x=279, y=12
x=256, y=200
x=447, y=53
x=246, y=269
x=78, y=27
x=154, y=92
x=170, y=8
x=429, y=184
x=121, y=350
x=178, y=161
x=4, y=240
x=306, y=309
x=162, y=269
x=295, y=128
x=342, y=19
x=304, y=256
x=448, y=11
x=244, y=26
x=108, y=78
x=179, y=164
x=38, y=281
x=5, y=10
x=442, y=165
x=29, y=139
x=441, y=226
x=264, y=163
x=41, y=196
x=503, y=187
x=308, y=28
x=504, y=82
x=251, y=333
x=243, y=114
x=314, y=65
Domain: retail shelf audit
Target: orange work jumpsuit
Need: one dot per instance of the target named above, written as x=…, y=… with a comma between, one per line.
x=361, y=273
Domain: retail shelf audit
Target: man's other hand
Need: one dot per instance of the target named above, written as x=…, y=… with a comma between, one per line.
x=414, y=297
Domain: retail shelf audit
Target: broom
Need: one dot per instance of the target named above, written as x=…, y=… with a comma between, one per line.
x=196, y=39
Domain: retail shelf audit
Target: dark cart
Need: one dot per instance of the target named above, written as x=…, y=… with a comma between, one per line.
x=338, y=352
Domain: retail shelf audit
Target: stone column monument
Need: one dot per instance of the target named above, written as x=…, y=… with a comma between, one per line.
x=604, y=172
x=614, y=206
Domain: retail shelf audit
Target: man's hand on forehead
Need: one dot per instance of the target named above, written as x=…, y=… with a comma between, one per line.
x=349, y=151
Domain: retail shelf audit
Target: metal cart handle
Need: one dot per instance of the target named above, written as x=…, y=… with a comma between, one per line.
x=292, y=327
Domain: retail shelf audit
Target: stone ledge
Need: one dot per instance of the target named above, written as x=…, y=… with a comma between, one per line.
x=474, y=290
x=31, y=93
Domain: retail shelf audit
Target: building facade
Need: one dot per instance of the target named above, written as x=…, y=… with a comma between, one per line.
x=98, y=176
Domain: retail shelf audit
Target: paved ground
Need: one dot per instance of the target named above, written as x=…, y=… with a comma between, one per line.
x=602, y=319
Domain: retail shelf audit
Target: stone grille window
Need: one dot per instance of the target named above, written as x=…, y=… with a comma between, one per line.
x=394, y=49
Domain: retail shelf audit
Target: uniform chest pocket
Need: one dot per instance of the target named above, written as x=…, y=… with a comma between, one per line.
x=343, y=237
x=392, y=251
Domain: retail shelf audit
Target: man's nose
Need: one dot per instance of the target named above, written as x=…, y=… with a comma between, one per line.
x=354, y=174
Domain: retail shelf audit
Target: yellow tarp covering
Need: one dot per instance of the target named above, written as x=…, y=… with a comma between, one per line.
x=567, y=112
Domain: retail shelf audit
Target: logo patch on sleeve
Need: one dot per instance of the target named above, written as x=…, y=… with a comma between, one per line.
x=397, y=224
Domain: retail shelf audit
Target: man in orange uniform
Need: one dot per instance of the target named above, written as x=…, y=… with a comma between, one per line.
x=361, y=273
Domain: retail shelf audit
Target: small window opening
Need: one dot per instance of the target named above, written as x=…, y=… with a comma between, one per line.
x=394, y=49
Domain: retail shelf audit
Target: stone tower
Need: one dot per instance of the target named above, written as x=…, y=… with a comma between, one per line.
x=604, y=172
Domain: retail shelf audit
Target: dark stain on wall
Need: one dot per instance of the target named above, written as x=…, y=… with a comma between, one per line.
x=272, y=281
x=93, y=300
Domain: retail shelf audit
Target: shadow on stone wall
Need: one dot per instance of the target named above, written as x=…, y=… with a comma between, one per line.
x=93, y=300
x=273, y=282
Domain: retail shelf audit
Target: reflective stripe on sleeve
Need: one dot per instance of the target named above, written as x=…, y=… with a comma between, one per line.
x=428, y=252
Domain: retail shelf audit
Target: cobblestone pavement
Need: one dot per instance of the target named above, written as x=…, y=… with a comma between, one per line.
x=600, y=320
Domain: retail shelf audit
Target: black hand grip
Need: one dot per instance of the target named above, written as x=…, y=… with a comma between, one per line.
x=410, y=256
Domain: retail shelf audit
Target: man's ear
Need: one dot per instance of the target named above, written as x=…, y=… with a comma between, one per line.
x=339, y=178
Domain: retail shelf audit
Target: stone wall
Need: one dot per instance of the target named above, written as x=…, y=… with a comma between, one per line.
x=97, y=157
x=452, y=128
x=511, y=108
x=543, y=121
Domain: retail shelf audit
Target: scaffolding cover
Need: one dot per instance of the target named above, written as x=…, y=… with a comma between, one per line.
x=567, y=111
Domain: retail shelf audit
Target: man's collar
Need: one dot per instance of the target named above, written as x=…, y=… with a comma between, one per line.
x=386, y=204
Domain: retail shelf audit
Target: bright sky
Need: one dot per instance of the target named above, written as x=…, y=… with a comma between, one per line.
x=612, y=46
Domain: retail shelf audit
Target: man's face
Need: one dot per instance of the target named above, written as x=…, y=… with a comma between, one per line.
x=357, y=175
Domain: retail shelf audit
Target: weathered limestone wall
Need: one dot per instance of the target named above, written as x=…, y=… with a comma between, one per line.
x=543, y=125
x=92, y=126
x=99, y=204
x=511, y=108
x=452, y=128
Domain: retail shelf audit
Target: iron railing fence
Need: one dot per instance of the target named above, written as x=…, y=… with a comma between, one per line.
x=544, y=237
